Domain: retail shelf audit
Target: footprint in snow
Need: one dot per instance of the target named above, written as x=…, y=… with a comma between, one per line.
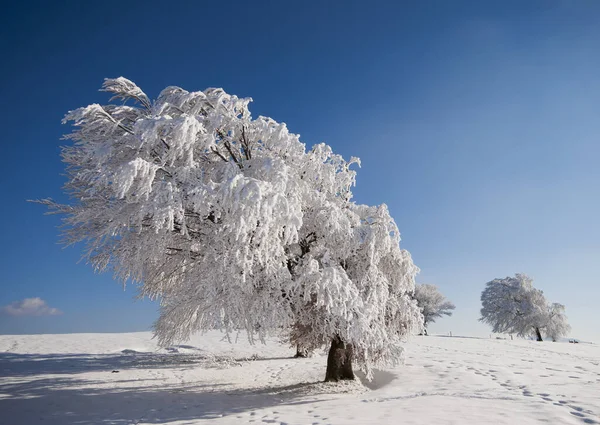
x=579, y=414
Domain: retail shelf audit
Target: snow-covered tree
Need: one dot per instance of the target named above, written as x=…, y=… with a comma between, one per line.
x=233, y=224
x=432, y=304
x=556, y=322
x=513, y=305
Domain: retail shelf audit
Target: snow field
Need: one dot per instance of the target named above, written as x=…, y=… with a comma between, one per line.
x=125, y=379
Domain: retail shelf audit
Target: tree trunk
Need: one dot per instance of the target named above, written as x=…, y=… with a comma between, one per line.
x=300, y=352
x=339, y=361
x=538, y=334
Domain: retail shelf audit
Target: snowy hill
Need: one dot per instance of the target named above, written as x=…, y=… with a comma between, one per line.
x=124, y=379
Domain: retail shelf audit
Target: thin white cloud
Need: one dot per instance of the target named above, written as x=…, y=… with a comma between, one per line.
x=30, y=307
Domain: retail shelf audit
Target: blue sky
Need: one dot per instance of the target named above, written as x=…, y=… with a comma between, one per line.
x=476, y=122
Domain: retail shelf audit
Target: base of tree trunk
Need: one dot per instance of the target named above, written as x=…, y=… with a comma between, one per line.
x=300, y=353
x=538, y=334
x=339, y=361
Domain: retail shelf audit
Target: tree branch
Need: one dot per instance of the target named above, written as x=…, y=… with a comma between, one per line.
x=235, y=159
x=245, y=143
x=218, y=153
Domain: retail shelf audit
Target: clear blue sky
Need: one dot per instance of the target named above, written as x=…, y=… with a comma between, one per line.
x=476, y=122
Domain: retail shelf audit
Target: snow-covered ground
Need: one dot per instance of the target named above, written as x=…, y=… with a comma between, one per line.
x=124, y=379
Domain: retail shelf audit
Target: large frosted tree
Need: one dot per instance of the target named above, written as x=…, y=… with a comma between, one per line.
x=232, y=223
x=433, y=304
x=512, y=305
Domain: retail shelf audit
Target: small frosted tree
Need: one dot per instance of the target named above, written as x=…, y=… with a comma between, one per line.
x=556, y=322
x=432, y=303
x=512, y=305
x=233, y=224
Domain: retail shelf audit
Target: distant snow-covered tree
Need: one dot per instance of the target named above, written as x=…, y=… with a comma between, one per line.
x=233, y=224
x=512, y=305
x=432, y=304
x=556, y=322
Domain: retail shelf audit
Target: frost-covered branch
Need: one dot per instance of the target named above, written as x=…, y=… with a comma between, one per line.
x=124, y=89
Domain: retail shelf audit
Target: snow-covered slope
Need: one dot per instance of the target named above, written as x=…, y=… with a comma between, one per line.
x=124, y=379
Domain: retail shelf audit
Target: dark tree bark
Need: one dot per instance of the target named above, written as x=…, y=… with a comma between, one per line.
x=300, y=353
x=339, y=361
x=538, y=334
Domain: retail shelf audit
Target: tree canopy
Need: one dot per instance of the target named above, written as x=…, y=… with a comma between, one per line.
x=232, y=223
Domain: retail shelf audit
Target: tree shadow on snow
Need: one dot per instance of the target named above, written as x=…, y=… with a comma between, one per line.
x=381, y=378
x=68, y=400
x=14, y=365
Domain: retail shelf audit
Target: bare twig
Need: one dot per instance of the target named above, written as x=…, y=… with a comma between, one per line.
x=245, y=143
x=235, y=159
x=219, y=153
